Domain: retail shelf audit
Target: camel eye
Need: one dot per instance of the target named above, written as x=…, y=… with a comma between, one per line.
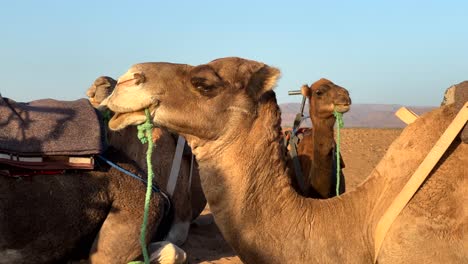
x=205, y=88
x=318, y=92
x=202, y=84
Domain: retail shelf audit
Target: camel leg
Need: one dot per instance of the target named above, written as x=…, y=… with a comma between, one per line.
x=180, y=226
x=118, y=240
x=165, y=252
x=179, y=232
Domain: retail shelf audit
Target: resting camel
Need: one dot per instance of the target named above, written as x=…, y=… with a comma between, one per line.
x=316, y=150
x=54, y=217
x=188, y=200
x=80, y=215
x=228, y=112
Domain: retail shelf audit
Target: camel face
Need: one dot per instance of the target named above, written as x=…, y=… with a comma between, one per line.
x=100, y=90
x=325, y=97
x=187, y=99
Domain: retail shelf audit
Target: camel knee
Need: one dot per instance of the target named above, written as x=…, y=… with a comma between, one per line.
x=165, y=252
x=178, y=233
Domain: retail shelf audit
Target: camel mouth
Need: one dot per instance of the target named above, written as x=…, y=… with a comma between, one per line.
x=342, y=108
x=121, y=120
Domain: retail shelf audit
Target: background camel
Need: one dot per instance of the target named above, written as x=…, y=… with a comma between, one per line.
x=316, y=150
x=93, y=215
x=53, y=214
x=229, y=114
x=188, y=198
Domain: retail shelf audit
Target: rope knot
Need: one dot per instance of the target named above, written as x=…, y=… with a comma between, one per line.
x=145, y=128
x=339, y=118
x=106, y=116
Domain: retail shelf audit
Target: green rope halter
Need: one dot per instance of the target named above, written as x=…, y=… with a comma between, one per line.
x=106, y=116
x=145, y=135
x=340, y=124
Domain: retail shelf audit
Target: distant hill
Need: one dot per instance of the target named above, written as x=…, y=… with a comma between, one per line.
x=360, y=115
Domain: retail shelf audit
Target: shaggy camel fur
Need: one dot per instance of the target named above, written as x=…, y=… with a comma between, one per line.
x=229, y=114
x=188, y=201
x=316, y=148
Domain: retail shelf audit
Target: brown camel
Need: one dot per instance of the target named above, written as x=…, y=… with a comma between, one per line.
x=229, y=114
x=53, y=217
x=188, y=201
x=316, y=148
x=93, y=215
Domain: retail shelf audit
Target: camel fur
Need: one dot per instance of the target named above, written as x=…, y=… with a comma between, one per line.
x=228, y=112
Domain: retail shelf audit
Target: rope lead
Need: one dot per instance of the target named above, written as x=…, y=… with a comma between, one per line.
x=340, y=124
x=145, y=135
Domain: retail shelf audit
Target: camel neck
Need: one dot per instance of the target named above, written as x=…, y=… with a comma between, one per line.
x=254, y=205
x=317, y=150
x=323, y=142
x=323, y=136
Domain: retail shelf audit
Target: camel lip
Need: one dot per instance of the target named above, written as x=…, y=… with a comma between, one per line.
x=152, y=107
x=120, y=116
x=342, y=108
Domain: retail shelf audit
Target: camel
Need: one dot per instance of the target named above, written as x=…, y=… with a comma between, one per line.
x=316, y=148
x=228, y=112
x=93, y=215
x=80, y=215
x=188, y=199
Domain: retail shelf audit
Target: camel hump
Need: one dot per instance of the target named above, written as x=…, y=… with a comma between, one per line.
x=458, y=95
x=49, y=127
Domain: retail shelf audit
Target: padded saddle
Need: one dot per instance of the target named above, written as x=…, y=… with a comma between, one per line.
x=49, y=135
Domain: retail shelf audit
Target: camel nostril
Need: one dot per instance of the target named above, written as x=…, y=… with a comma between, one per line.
x=343, y=100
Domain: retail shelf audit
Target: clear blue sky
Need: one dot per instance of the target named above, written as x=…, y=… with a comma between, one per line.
x=394, y=52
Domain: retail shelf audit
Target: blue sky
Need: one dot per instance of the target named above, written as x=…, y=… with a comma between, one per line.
x=393, y=52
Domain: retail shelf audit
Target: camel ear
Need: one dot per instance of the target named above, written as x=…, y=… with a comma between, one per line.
x=319, y=83
x=264, y=80
x=306, y=91
x=256, y=77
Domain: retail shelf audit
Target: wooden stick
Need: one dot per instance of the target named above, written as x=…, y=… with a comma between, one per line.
x=406, y=115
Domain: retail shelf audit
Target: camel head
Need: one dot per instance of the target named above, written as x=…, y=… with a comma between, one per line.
x=100, y=90
x=203, y=101
x=325, y=97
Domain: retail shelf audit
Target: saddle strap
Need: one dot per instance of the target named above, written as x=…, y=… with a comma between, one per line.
x=293, y=142
x=418, y=178
x=176, y=161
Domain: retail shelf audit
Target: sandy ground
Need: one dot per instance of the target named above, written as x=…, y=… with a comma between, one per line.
x=362, y=149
